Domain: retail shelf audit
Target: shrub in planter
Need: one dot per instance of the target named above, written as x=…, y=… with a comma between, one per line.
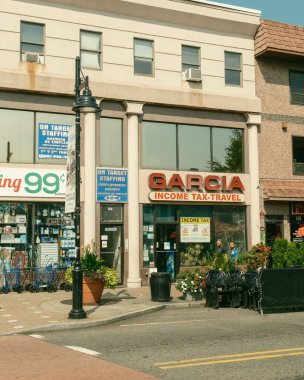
x=278, y=253
x=294, y=255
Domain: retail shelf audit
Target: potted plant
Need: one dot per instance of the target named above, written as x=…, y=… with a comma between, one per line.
x=96, y=276
x=191, y=283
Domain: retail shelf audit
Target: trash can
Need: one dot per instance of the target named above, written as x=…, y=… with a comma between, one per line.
x=160, y=285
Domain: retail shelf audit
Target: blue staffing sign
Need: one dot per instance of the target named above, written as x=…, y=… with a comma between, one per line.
x=112, y=185
x=53, y=140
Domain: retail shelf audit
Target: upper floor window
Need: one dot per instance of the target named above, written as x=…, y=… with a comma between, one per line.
x=32, y=42
x=143, y=57
x=34, y=137
x=298, y=154
x=90, y=49
x=233, y=69
x=190, y=57
x=296, y=80
x=192, y=147
x=110, y=143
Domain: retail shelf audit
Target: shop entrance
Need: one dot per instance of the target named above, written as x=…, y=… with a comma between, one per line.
x=166, y=248
x=111, y=247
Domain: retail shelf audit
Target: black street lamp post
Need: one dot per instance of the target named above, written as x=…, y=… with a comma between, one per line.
x=85, y=103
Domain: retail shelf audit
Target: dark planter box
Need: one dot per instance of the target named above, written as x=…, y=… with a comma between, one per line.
x=281, y=290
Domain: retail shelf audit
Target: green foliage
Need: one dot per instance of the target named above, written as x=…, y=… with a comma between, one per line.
x=93, y=267
x=294, y=255
x=223, y=263
x=257, y=257
x=68, y=276
x=278, y=253
x=190, y=281
x=193, y=254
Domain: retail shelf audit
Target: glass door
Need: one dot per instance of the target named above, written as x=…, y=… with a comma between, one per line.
x=111, y=247
x=166, y=248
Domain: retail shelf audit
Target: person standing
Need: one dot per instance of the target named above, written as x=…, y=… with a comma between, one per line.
x=233, y=251
x=220, y=249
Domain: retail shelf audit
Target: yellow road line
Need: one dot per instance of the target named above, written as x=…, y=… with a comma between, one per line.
x=229, y=356
x=232, y=360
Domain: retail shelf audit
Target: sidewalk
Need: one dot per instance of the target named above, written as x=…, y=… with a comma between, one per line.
x=37, y=312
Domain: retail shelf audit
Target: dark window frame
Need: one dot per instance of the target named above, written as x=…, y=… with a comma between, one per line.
x=293, y=94
x=23, y=41
x=234, y=70
x=152, y=59
x=191, y=66
x=297, y=167
x=99, y=51
x=211, y=142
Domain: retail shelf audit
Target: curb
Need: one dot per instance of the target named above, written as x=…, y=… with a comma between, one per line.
x=102, y=322
x=86, y=324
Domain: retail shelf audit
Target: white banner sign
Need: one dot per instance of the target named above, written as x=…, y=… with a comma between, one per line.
x=70, y=195
x=32, y=182
x=195, y=229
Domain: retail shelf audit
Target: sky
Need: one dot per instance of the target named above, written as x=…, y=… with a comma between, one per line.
x=288, y=11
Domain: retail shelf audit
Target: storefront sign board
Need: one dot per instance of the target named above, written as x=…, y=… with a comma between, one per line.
x=195, y=229
x=53, y=140
x=169, y=196
x=112, y=185
x=32, y=182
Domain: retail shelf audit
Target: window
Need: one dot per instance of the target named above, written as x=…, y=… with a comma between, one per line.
x=143, y=57
x=194, y=139
x=227, y=150
x=192, y=147
x=16, y=136
x=298, y=155
x=110, y=142
x=233, y=68
x=296, y=80
x=90, y=49
x=32, y=42
x=159, y=145
x=34, y=137
x=190, y=57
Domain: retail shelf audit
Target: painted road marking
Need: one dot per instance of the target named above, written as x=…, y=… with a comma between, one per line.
x=13, y=321
x=18, y=327
x=234, y=358
x=37, y=336
x=45, y=316
x=84, y=350
x=169, y=323
x=6, y=315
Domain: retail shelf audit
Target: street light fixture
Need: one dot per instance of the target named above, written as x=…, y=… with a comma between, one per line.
x=84, y=103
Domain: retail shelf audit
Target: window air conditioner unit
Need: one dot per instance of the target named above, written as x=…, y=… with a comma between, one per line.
x=32, y=57
x=193, y=75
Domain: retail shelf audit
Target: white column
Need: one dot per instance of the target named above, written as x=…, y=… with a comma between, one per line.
x=253, y=121
x=133, y=110
x=89, y=178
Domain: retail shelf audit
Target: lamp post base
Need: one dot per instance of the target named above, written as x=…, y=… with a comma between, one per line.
x=77, y=314
x=77, y=311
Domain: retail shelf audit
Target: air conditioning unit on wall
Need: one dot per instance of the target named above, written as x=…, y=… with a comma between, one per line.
x=193, y=75
x=32, y=57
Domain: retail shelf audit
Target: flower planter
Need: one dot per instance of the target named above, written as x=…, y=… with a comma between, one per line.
x=92, y=290
x=193, y=296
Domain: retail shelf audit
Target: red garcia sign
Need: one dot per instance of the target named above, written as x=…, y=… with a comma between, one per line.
x=196, y=188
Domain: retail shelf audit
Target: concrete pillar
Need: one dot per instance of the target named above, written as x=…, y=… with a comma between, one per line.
x=89, y=178
x=253, y=122
x=133, y=111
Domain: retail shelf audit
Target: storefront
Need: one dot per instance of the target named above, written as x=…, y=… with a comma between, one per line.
x=34, y=229
x=185, y=213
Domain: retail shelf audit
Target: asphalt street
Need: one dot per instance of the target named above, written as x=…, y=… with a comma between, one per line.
x=199, y=344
